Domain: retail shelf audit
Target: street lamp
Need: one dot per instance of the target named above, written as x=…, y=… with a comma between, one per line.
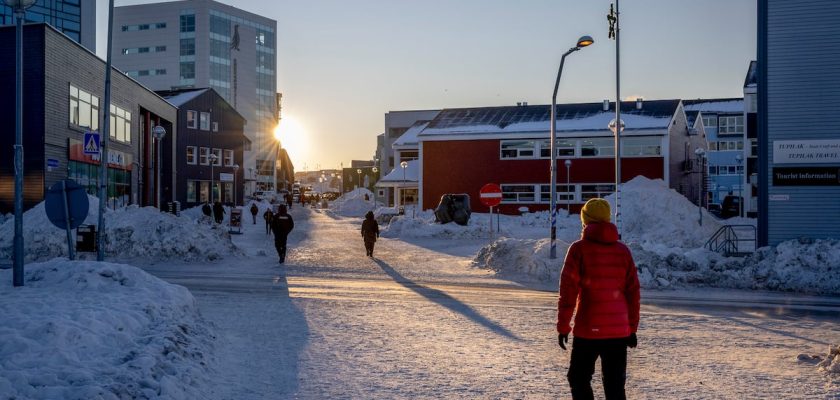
x=159, y=133
x=359, y=177
x=235, y=171
x=403, y=165
x=213, y=159
x=374, y=170
x=740, y=159
x=581, y=43
x=19, y=7
x=700, y=153
x=568, y=164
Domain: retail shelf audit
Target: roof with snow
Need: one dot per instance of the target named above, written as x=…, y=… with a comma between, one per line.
x=409, y=138
x=723, y=105
x=180, y=97
x=691, y=117
x=395, y=178
x=654, y=114
x=752, y=78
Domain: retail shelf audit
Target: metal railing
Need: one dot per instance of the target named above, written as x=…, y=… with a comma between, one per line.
x=733, y=240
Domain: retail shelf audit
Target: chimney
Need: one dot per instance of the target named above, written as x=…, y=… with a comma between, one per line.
x=639, y=103
x=606, y=105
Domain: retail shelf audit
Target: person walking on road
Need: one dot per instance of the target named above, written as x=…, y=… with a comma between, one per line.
x=218, y=212
x=254, y=211
x=370, y=232
x=268, y=215
x=281, y=225
x=289, y=201
x=600, y=281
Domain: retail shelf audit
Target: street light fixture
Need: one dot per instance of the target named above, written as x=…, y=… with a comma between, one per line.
x=740, y=159
x=235, y=173
x=359, y=177
x=159, y=133
x=213, y=159
x=19, y=7
x=374, y=170
x=403, y=165
x=581, y=43
x=701, y=154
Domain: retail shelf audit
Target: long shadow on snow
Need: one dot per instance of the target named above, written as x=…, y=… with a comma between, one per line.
x=446, y=300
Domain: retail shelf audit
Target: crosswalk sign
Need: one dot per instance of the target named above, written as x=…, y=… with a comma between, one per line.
x=91, y=143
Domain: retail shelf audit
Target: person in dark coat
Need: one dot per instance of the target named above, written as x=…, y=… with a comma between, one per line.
x=218, y=212
x=281, y=225
x=206, y=210
x=254, y=211
x=289, y=201
x=268, y=215
x=600, y=281
x=370, y=232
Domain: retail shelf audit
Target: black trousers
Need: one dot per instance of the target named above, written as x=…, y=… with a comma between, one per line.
x=280, y=245
x=613, y=353
x=369, y=247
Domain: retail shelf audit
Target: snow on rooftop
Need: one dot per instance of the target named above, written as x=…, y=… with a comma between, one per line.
x=713, y=106
x=182, y=98
x=412, y=173
x=596, y=122
x=410, y=136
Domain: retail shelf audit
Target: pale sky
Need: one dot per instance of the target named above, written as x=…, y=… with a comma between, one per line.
x=343, y=64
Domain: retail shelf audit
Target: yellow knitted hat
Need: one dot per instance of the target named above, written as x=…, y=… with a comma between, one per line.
x=595, y=210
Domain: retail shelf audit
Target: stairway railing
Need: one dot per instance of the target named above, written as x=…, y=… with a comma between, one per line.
x=733, y=240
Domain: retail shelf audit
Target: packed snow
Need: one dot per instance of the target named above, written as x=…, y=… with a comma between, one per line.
x=130, y=232
x=353, y=203
x=96, y=330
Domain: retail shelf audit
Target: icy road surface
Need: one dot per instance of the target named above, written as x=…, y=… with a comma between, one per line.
x=419, y=322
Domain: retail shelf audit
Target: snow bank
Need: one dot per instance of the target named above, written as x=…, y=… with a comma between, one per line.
x=129, y=232
x=829, y=363
x=423, y=225
x=523, y=257
x=85, y=330
x=353, y=203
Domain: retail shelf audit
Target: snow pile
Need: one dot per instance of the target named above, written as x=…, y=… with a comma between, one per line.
x=6, y=217
x=653, y=213
x=523, y=256
x=353, y=203
x=829, y=363
x=91, y=330
x=423, y=225
x=129, y=232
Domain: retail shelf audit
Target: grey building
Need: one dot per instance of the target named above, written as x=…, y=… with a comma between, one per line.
x=63, y=91
x=396, y=124
x=203, y=43
x=74, y=18
x=798, y=119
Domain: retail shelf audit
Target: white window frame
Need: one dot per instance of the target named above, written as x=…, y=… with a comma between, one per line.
x=192, y=158
x=204, y=121
x=562, y=196
x=92, y=106
x=534, y=192
x=600, y=144
x=120, y=124
x=519, y=150
x=600, y=193
x=641, y=146
x=192, y=123
x=228, y=155
x=218, y=153
x=204, y=155
x=731, y=125
x=546, y=145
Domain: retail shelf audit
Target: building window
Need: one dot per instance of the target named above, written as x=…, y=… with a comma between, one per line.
x=218, y=154
x=597, y=147
x=517, y=149
x=710, y=121
x=187, y=70
x=188, y=23
x=641, y=146
x=564, y=193
x=141, y=50
x=518, y=194
x=204, y=156
x=143, y=27
x=204, y=191
x=192, y=119
x=598, y=190
x=204, y=121
x=228, y=158
x=731, y=125
x=84, y=109
x=191, y=155
x=188, y=47
x=120, y=124
x=564, y=147
x=409, y=155
x=191, y=191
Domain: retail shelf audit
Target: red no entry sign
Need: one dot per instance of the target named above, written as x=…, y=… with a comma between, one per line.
x=490, y=195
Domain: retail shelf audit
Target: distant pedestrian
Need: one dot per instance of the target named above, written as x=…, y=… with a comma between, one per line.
x=206, y=210
x=289, y=200
x=254, y=211
x=370, y=232
x=218, y=212
x=600, y=280
x=268, y=215
x=281, y=225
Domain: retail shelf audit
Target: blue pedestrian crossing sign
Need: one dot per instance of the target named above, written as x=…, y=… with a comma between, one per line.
x=91, y=143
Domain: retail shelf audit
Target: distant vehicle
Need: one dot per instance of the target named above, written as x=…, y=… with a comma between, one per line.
x=264, y=195
x=715, y=209
x=730, y=207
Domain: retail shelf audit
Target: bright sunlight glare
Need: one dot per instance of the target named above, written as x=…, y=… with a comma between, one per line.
x=293, y=138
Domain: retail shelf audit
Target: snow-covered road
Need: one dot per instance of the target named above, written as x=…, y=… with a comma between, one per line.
x=420, y=322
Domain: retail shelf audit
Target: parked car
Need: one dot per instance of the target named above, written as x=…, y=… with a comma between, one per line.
x=730, y=207
x=715, y=209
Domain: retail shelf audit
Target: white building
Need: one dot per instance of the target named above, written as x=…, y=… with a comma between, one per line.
x=396, y=124
x=203, y=43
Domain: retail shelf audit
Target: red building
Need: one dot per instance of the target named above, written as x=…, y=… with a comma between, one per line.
x=463, y=149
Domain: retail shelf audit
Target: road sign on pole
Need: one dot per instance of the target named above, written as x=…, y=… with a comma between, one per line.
x=66, y=205
x=91, y=143
x=490, y=195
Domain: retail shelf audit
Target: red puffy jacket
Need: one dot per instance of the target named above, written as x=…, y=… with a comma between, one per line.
x=599, y=278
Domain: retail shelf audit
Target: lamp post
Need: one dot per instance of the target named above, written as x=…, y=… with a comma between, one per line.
x=700, y=153
x=159, y=133
x=359, y=178
x=403, y=165
x=581, y=43
x=568, y=164
x=19, y=7
x=235, y=173
x=374, y=170
x=213, y=159
x=740, y=159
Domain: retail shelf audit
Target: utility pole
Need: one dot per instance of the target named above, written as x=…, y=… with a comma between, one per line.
x=614, y=33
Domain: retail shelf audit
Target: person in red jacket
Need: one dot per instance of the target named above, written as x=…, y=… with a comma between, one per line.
x=600, y=281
